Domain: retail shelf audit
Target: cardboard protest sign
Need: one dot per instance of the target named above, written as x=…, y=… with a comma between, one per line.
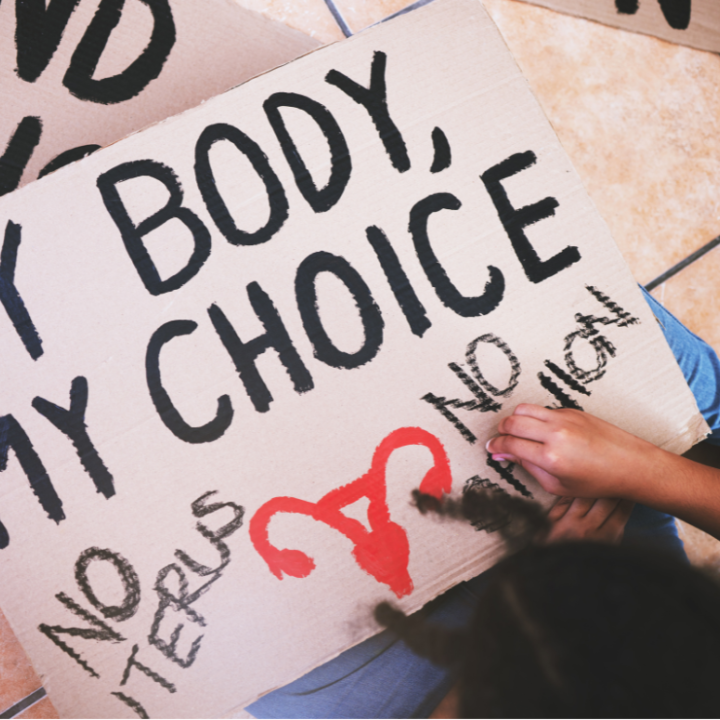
x=234, y=343
x=80, y=75
x=686, y=22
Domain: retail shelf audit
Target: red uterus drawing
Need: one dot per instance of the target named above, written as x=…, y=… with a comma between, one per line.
x=384, y=551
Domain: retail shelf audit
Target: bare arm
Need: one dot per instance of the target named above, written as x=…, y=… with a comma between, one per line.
x=573, y=453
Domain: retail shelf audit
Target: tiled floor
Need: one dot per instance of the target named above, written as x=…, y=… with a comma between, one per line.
x=639, y=119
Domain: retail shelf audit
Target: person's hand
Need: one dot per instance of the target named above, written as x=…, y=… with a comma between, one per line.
x=572, y=453
x=587, y=519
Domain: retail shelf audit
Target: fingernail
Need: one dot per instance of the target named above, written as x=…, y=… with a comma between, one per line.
x=501, y=458
x=487, y=444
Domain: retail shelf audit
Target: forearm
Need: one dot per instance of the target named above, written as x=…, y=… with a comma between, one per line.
x=680, y=487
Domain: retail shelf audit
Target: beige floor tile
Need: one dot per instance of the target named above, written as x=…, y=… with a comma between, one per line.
x=639, y=119
x=17, y=676
x=693, y=296
x=359, y=14
x=309, y=16
x=702, y=549
x=42, y=709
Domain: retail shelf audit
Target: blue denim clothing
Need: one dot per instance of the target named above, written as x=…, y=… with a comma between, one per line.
x=383, y=678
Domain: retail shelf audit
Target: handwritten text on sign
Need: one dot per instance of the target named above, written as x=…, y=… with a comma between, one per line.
x=284, y=311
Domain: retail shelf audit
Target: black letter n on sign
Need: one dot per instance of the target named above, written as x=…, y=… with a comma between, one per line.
x=133, y=234
x=515, y=219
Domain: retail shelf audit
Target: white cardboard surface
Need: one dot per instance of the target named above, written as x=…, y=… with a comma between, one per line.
x=204, y=47
x=159, y=577
x=685, y=22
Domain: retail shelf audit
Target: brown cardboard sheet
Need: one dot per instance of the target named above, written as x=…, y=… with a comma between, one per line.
x=685, y=22
x=235, y=342
x=88, y=76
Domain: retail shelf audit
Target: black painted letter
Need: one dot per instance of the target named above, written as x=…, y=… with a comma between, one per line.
x=18, y=153
x=163, y=404
x=340, y=164
x=306, y=294
x=515, y=219
x=213, y=200
x=39, y=27
x=374, y=100
x=13, y=436
x=244, y=354
x=128, y=578
x=72, y=423
x=132, y=234
x=143, y=70
x=9, y=295
x=446, y=291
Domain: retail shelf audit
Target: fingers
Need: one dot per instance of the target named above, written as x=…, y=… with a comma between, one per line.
x=559, y=509
x=518, y=448
x=603, y=519
x=522, y=426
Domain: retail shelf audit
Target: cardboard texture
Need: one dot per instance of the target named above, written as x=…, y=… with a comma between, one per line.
x=235, y=342
x=90, y=74
x=685, y=22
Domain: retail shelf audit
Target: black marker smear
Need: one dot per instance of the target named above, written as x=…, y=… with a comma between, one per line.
x=244, y=354
x=277, y=200
x=18, y=152
x=72, y=423
x=159, y=679
x=405, y=295
x=565, y=400
x=507, y=475
x=307, y=302
x=13, y=436
x=374, y=100
x=476, y=483
x=133, y=704
x=470, y=356
x=103, y=632
x=9, y=295
x=340, y=164
x=441, y=151
x=67, y=157
x=567, y=379
x=128, y=578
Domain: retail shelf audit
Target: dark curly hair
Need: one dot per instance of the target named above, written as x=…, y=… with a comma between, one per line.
x=577, y=629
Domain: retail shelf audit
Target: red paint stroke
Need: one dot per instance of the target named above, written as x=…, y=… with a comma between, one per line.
x=383, y=552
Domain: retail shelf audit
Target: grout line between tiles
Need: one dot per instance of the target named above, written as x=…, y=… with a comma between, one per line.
x=409, y=8
x=339, y=19
x=23, y=704
x=675, y=269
